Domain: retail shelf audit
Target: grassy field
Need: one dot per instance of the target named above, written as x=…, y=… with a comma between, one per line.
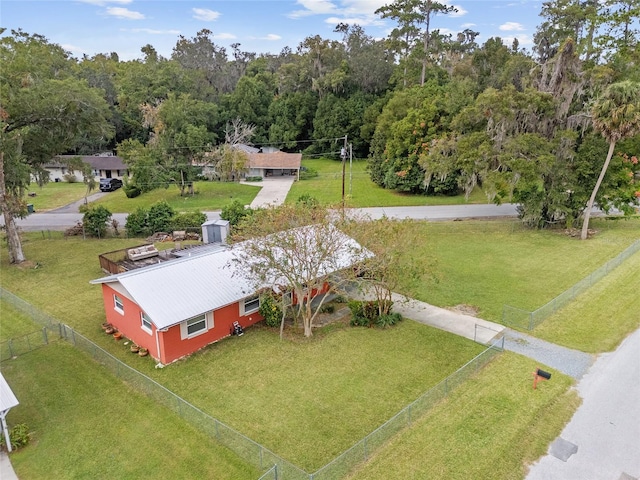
x=327, y=188
x=14, y=323
x=492, y=426
x=54, y=195
x=344, y=372
x=600, y=318
x=490, y=264
x=86, y=423
x=209, y=196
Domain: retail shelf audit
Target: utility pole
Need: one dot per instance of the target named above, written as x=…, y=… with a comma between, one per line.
x=350, y=167
x=343, y=154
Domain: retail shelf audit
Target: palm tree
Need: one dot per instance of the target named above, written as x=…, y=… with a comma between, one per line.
x=616, y=115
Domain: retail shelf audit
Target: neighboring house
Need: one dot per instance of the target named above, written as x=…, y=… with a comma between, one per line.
x=274, y=164
x=102, y=166
x=176, y=307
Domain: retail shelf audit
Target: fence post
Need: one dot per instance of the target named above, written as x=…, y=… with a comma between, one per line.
x=530, y=321
x=10, y=343
x=73, y=336
x=44, y=335
x=365, y=448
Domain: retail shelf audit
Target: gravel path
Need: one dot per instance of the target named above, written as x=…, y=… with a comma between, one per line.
x=570, y=362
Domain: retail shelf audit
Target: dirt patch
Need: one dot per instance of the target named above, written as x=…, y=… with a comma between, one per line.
x=28, y=265
x=575, y=232
x=465, y=309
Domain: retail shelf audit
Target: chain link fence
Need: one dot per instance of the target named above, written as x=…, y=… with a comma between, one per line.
x=528, y=320
x=249, y=450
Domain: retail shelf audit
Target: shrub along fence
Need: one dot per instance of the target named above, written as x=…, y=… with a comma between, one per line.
x=527, y=320
x=249, y=450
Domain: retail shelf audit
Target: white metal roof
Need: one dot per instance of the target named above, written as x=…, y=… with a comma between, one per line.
x=171, y=292
x=7, y=399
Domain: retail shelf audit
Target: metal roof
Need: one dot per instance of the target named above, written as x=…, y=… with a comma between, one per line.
x=7, y=399
x=174, y=291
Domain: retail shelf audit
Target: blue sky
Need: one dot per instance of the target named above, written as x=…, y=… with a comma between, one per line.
x=262, y=26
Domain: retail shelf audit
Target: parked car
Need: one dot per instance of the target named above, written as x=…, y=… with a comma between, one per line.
x=110, y=184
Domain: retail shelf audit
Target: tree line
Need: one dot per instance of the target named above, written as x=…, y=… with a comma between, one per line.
x=433, y=113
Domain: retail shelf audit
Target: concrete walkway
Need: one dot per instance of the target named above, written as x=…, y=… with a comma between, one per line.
x=570, y=362
x=602, y=440
x=6, y=470
x=274, y=191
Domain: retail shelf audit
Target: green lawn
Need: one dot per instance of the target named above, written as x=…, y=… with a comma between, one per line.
x=491, y=427
x=54, y=195
x=490, y=264
x=599, y=319
x=86, y=423
x=209, y=196
x=327, y=188
x=309, y=400
x=14, y=323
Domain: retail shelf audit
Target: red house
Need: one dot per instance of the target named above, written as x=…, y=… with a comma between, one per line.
x=176, y=307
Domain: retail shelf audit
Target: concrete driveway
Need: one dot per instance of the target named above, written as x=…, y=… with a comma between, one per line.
x=274, y=191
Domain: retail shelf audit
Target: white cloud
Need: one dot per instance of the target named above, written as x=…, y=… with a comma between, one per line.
x=467, y=25
x=152, y=31
x=524, y=40
x=460, y=13
x=511, y=26
x=271, y=37
x=125, y=13
x=362, y=21
x=102, y=3
x=73, y=49
x=224, y=36
x=313, y=7
x=205, y=14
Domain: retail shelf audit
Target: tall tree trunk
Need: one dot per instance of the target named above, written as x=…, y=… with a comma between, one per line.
x=592, y=199
x=13, y=238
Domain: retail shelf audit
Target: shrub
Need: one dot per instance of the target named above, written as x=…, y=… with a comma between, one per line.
x=388, y=320
x=270, y=310
x=70, y=178
x=256, y=178
x=160, y=217
x=185, y=220
x=327, y=308
x=234, y=212
x=19, y=436
x=131, y=190
x=95, y=220
x=308, y=173
x=136, y=225
x=308, y=200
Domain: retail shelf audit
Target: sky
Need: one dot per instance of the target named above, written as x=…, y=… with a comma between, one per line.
x=89, y=27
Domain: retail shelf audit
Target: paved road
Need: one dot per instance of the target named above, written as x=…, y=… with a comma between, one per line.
x=58, y=220
x=602, y=440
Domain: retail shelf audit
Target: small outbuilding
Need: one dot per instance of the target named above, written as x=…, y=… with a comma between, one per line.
x=7, y=401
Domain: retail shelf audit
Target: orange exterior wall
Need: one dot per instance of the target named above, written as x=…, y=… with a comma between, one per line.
x=130, y=324
x=172, y=347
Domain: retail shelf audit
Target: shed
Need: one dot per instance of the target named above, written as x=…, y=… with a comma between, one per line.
x=7, y=401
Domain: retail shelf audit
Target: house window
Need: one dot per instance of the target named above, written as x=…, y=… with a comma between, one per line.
x=250, y=305
x=117, y=304
x=146, y=323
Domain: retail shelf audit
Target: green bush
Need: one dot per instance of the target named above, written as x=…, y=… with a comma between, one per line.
x=256, y=178
x=327, y=308
x=234, y=212
x=131, y=190
x=18, y=435
x=308, y=200
x=366, y=314
x=270, y=310
x=185, y=220
x=308, y=173
x=136, y=225
x=160, y=217
x=95, y=220
x=70, y=178
x=388, y=320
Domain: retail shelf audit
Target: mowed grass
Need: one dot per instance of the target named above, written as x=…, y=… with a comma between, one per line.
x=309, y=400
x=600, y=318
x=54, y=195
x=14, y=323
x=493, y=426
x=209, y=196
x=85, y=423
x=493, y=263
x=360, y=191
